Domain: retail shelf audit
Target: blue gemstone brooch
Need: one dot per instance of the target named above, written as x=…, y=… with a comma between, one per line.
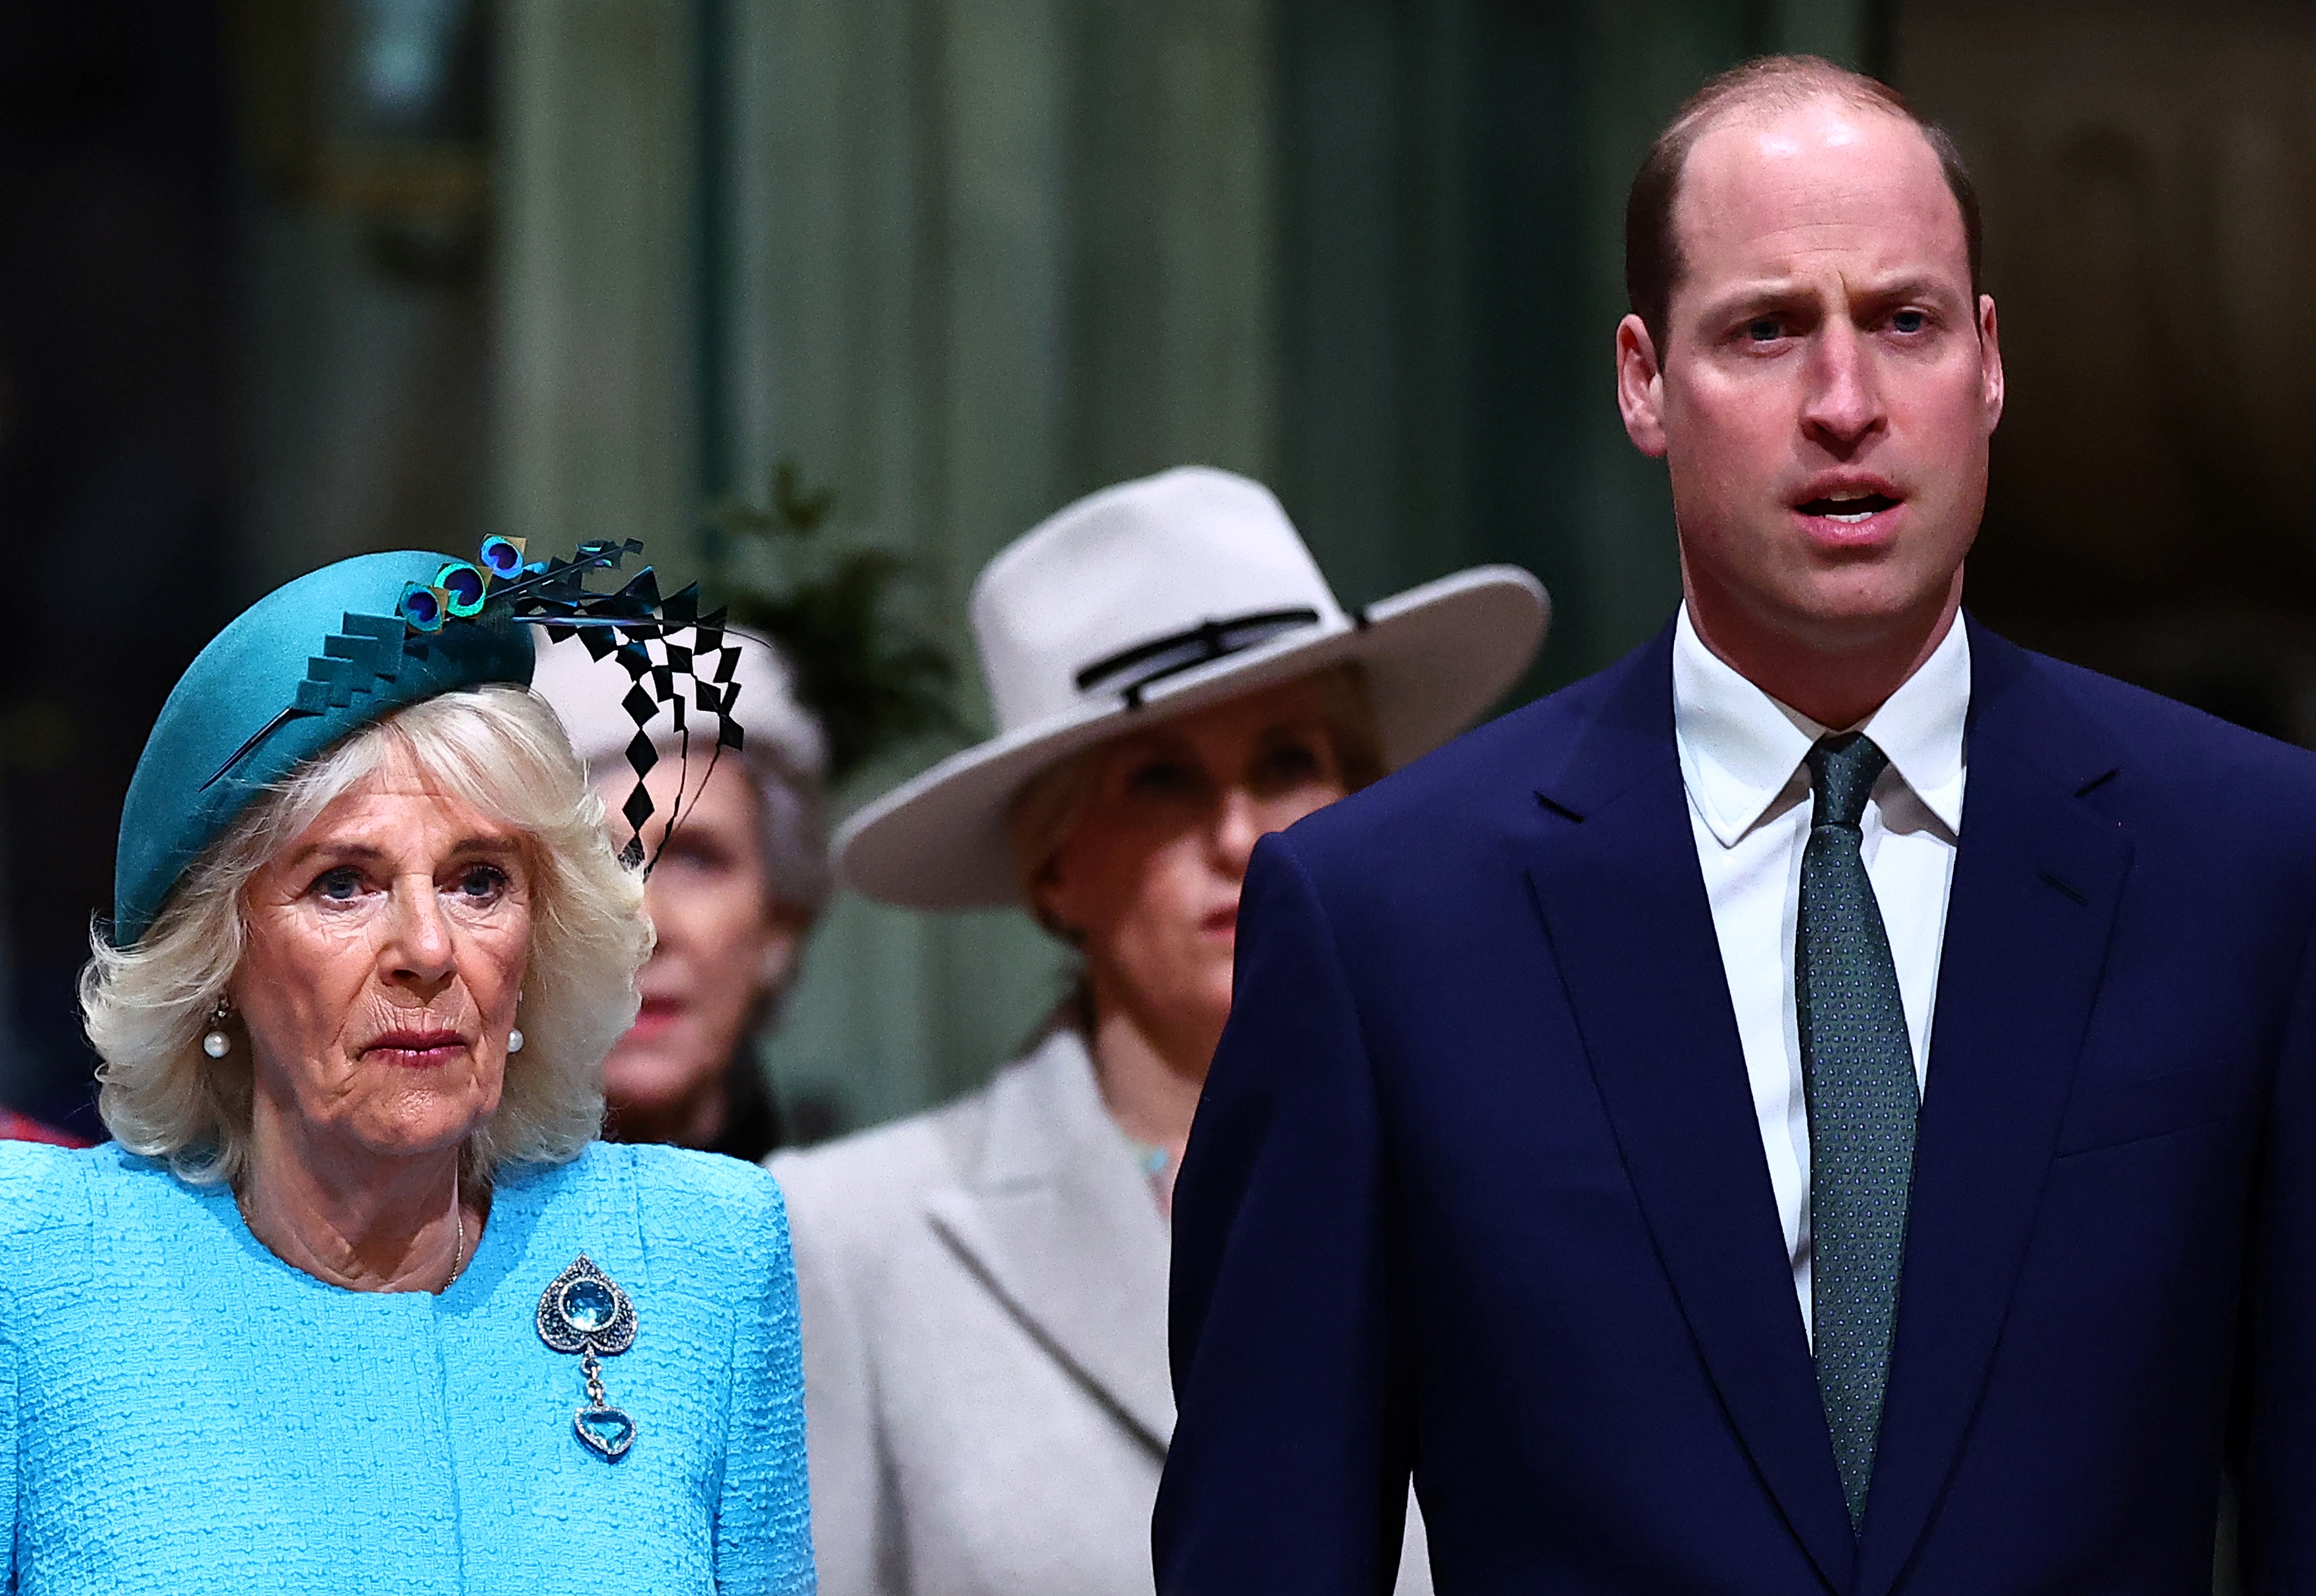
x=584, y=1311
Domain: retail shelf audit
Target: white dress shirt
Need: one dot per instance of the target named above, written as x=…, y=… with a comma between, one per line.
x=1742, y=760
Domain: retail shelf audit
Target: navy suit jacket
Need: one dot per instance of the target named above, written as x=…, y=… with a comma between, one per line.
x=1476, y=1188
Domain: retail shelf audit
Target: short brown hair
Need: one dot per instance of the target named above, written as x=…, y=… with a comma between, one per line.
x=1653, y=263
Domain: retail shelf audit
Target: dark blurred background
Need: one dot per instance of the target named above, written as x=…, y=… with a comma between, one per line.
x=282, y=281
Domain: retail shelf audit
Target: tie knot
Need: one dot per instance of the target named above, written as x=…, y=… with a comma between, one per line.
x=1843, y=770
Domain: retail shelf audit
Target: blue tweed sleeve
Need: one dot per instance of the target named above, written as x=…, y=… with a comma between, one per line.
x=44, y=1235
x=764, y=1526
x=8, y=1453
x=725, y=1222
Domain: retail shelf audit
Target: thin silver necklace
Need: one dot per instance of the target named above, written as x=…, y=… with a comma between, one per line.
x=458, y=1242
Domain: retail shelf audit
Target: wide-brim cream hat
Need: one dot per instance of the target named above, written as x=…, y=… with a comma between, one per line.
x=1146, y=601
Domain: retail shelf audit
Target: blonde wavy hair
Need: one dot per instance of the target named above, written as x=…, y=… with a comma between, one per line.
x=501, y=748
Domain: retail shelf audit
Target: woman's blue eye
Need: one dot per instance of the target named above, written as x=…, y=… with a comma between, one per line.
x=1908, y=321
x=339, y=884
x=483, y=881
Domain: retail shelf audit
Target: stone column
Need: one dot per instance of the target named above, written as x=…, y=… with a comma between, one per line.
x=596, y=155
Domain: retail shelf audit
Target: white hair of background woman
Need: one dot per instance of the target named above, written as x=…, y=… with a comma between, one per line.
x=146, y=1008
x=786, y=751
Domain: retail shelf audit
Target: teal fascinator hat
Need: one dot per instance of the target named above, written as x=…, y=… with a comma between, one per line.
x=338, y=649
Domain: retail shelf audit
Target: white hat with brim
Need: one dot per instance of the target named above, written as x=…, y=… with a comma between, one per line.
x=1148, y=600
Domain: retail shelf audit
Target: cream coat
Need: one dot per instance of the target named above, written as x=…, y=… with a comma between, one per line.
x=986, y=1396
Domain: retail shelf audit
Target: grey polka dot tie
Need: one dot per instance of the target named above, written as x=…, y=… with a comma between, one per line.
x=1859, y=1068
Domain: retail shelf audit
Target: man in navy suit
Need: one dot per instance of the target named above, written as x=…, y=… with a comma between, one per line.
x=1828, y=1104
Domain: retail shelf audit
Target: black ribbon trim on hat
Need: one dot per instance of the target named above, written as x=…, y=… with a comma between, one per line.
x=1177, y=652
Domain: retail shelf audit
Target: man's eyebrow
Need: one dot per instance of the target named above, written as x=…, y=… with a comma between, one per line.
x=1906, y=285
x=1769, y=292
x=1760, y=292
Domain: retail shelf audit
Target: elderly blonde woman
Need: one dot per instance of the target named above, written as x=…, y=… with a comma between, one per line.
x=355, y=1301
x=985, y=1286
x=735, y=892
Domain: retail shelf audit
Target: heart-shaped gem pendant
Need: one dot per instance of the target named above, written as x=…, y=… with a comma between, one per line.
x=582, y=1310
x=607, y=1432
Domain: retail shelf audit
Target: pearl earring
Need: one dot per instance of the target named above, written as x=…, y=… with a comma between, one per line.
x=217, y=1044
x=514, y=1040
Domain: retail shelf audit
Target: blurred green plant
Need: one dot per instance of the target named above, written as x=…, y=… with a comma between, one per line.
x=875, y=678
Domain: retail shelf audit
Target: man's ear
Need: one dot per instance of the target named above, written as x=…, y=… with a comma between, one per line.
x=1640, y=386
x=1990, y=362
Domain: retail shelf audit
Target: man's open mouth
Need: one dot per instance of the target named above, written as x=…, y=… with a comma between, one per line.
x=1848, y=508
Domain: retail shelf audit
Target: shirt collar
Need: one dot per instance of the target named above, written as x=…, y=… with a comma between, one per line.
x=1740, y=748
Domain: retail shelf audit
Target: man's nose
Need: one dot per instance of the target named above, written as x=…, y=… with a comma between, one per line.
x=419, y=951
x=1844, y=407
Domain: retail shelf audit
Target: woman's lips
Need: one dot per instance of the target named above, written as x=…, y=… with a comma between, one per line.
x=417, y=1050
x=655, y=1017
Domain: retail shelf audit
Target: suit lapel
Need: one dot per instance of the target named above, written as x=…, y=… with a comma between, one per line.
x=2036, y=881
x=1057, y=1224
x=1631, y=929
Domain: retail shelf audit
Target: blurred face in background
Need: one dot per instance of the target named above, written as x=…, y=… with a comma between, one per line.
x=724, y=948
x=1147, y=881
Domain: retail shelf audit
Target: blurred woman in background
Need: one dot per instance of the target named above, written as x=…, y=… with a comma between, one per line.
x=733, y=896
x=983, y=1288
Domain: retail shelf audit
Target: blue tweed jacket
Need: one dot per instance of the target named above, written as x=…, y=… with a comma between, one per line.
x=181, y=1410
